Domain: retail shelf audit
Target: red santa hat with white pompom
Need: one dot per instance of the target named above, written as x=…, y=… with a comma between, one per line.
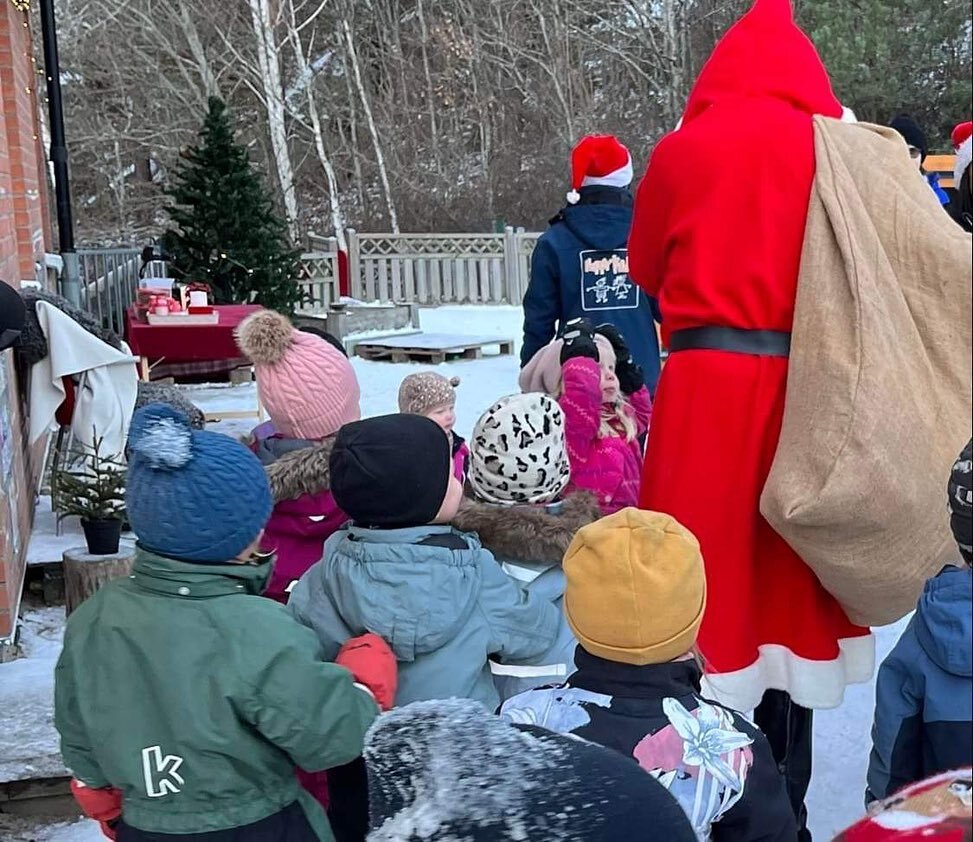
x=962, y=138
x=599, y=159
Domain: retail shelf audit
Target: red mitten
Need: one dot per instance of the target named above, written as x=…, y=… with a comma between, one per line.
x=102, y=805
x=372, y=663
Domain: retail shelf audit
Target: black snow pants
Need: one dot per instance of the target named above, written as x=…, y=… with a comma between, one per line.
x=788, y=727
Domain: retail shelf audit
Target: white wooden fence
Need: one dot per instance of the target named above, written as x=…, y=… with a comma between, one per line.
x=416, y=268
x=440, y=268
x=318, y=275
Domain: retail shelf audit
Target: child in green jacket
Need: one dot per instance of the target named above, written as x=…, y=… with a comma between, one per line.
x=183, y=701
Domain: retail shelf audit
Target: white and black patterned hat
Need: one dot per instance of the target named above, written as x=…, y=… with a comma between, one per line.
x=518, y=454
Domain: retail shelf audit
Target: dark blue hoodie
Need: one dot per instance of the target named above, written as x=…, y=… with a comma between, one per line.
x=580, y=268
x=924, y=693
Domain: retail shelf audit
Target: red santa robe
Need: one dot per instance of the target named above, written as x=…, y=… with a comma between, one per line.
x=716, y=237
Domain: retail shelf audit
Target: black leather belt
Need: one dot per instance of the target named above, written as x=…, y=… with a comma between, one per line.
x=759, y=343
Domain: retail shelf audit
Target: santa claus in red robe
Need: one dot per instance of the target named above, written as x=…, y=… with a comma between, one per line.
x=717, y=237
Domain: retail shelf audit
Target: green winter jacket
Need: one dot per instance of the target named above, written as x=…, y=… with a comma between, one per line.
x=196, y=698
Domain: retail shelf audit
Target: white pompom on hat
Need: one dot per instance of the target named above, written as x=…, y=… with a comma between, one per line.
x=599, y=159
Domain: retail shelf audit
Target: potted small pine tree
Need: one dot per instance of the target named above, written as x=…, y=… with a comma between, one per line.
x=93, y=488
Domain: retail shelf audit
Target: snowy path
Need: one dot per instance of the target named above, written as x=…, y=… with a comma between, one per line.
x=841, y=736
x=28, y=741
x=29, y=830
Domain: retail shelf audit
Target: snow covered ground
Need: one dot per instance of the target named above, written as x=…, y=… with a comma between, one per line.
x=28, y=741
x=46, y=546
x=13, y=829
x=483, y=381
x=28, y=744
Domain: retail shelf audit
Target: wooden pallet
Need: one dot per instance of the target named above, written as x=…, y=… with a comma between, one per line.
x=431, y=347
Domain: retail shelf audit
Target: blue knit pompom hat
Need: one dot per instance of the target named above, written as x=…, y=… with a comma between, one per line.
x=192, y=495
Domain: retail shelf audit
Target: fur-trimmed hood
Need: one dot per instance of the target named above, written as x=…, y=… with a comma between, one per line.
x=33, y=344
x=527, y=533
x=295, y=468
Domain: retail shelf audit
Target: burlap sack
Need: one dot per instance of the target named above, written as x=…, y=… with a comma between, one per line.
x=878, y=399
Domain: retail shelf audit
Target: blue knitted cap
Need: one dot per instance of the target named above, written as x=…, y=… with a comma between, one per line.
x=192, y=495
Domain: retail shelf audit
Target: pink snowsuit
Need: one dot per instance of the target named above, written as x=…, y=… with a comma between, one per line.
x=610, y=467
x=461, y=458
x=305, y=514
x=296, y=532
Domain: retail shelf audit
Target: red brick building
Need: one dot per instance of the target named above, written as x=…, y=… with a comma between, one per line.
x=25, y=233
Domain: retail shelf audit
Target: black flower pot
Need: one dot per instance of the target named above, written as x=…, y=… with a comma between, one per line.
x=102, y=535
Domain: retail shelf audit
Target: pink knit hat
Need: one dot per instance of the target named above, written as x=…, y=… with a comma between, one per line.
x=543, y=372
x=308, y=387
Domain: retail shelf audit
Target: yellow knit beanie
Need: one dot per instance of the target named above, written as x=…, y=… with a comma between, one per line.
x=636, y=590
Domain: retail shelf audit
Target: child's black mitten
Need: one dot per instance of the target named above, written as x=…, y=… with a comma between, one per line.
x=630, y=376
x=579, y=341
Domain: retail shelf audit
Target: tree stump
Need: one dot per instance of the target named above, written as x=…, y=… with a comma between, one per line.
x=84, y=573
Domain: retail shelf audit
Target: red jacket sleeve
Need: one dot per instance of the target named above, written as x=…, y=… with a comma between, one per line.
x=646, y=240
x=103, y=805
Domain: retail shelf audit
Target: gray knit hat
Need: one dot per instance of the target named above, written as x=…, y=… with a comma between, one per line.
x=518, y=453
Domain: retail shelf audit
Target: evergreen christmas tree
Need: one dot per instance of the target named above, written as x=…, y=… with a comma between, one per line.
x=226, y=232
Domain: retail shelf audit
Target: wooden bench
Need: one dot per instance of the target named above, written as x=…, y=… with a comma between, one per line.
x=942, y=164
x=433, y=348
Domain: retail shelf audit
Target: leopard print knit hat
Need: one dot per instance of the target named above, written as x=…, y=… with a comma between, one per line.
x=518, y=453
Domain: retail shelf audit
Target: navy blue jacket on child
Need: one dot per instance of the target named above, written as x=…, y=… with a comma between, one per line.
x=580, y=269
x=924, y=693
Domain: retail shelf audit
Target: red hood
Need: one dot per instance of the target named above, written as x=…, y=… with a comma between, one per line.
x=765, y=54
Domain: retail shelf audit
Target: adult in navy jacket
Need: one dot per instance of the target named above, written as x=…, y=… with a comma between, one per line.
x=580, y=264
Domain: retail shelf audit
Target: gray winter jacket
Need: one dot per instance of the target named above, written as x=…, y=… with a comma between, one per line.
x=529, y=542
x=436, y=596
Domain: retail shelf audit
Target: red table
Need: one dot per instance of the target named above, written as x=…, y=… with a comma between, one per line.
x=192, y=344
x=187, y=343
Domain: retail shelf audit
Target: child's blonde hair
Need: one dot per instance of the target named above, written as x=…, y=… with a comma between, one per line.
x=621, y=413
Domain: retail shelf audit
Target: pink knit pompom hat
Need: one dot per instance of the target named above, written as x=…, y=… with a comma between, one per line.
x=308, y=387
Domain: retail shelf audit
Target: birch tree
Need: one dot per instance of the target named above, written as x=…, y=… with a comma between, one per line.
x=305, y=73
x=268, y=59
x=372, y=128
x=454, y=114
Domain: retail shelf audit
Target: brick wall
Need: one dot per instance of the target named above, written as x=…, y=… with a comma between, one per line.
x=17, y=498
x=24, y=236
